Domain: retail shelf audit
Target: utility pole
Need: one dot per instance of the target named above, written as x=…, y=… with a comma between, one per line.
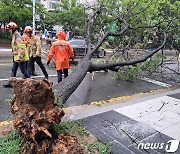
x=34, y=24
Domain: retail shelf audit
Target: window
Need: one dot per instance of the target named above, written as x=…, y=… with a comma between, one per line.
x=52, y=5
x=38, y=1
x=78, y=42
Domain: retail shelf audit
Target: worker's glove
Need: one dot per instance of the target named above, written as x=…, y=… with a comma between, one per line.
x=48, y=62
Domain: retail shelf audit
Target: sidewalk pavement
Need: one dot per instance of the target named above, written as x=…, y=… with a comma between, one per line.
x=138, y=125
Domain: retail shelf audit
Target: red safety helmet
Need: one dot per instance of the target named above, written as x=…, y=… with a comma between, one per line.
x=62, y=34
x=11, y=25
x=28, y=29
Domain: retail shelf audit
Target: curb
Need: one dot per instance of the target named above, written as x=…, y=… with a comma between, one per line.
x=79, y=112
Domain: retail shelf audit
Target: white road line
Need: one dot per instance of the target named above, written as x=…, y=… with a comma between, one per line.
x=155, y=82
x=142, y=78
x=41, y=76
x=9, y=63
x=5, y=50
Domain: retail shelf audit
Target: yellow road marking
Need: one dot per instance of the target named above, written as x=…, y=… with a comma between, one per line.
x=98, y=103
x=7, y=122
x=110, y=100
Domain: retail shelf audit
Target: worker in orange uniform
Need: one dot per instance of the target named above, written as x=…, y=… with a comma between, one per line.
x=62, y=52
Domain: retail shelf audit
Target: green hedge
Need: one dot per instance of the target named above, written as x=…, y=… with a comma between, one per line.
x=5, y=36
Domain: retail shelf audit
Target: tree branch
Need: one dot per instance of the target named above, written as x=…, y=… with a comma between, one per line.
x=109, y=34
x=88, y=28
x=115, y=66
x=135, y=14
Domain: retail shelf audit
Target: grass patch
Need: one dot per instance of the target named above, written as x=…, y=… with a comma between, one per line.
x=98, y=147
x=89, y=142
x=9, y=100
x=4, y=40
x=11, y=143
x=71, y=127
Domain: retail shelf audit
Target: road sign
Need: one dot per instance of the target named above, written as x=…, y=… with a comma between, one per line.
x=37, y=17
x=112, y=28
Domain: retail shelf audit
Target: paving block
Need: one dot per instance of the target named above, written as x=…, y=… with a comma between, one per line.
x=113, y=117
x=177, y=95
x=155, y=122
x=173, y=131
x=168, y=115
x=119, y=136
x=96, y=121
x=137, y=130
x=117, y=148
x=131, y=111
x=103, y=137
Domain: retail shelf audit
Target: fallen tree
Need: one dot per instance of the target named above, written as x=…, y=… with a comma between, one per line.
x=33, y=104
x=69, y=84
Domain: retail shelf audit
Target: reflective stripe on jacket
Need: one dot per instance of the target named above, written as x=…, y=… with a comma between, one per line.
x=25, y=39
x=34, y=46
x=62, y=51
x=20, y=53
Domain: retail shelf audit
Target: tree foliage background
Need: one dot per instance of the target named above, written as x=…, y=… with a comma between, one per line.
x=73, y=16
x=141, y=13
x=18, y=11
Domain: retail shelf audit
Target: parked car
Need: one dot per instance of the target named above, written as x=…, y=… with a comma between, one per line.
x=80, y=48
x=52, y=37
x=38, y=33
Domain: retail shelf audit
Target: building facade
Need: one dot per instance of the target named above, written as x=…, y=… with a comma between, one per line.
x=50, y=4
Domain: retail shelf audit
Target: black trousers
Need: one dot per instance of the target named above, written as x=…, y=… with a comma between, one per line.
x=39, y=62
x=33, y=68
x=60, y=72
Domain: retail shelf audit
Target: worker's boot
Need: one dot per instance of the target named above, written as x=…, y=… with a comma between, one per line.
x=46, y=77
x=34, y=74
x=7, y=86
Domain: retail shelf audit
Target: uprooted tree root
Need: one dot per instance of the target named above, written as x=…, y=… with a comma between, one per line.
x=35, y=112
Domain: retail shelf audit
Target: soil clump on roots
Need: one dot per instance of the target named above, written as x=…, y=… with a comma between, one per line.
x=34, y=114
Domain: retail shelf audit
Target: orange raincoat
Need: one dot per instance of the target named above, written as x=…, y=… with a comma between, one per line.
x=62, y=51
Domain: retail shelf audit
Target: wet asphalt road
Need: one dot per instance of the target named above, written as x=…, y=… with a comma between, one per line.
x=95, y=86
x=104, y=86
